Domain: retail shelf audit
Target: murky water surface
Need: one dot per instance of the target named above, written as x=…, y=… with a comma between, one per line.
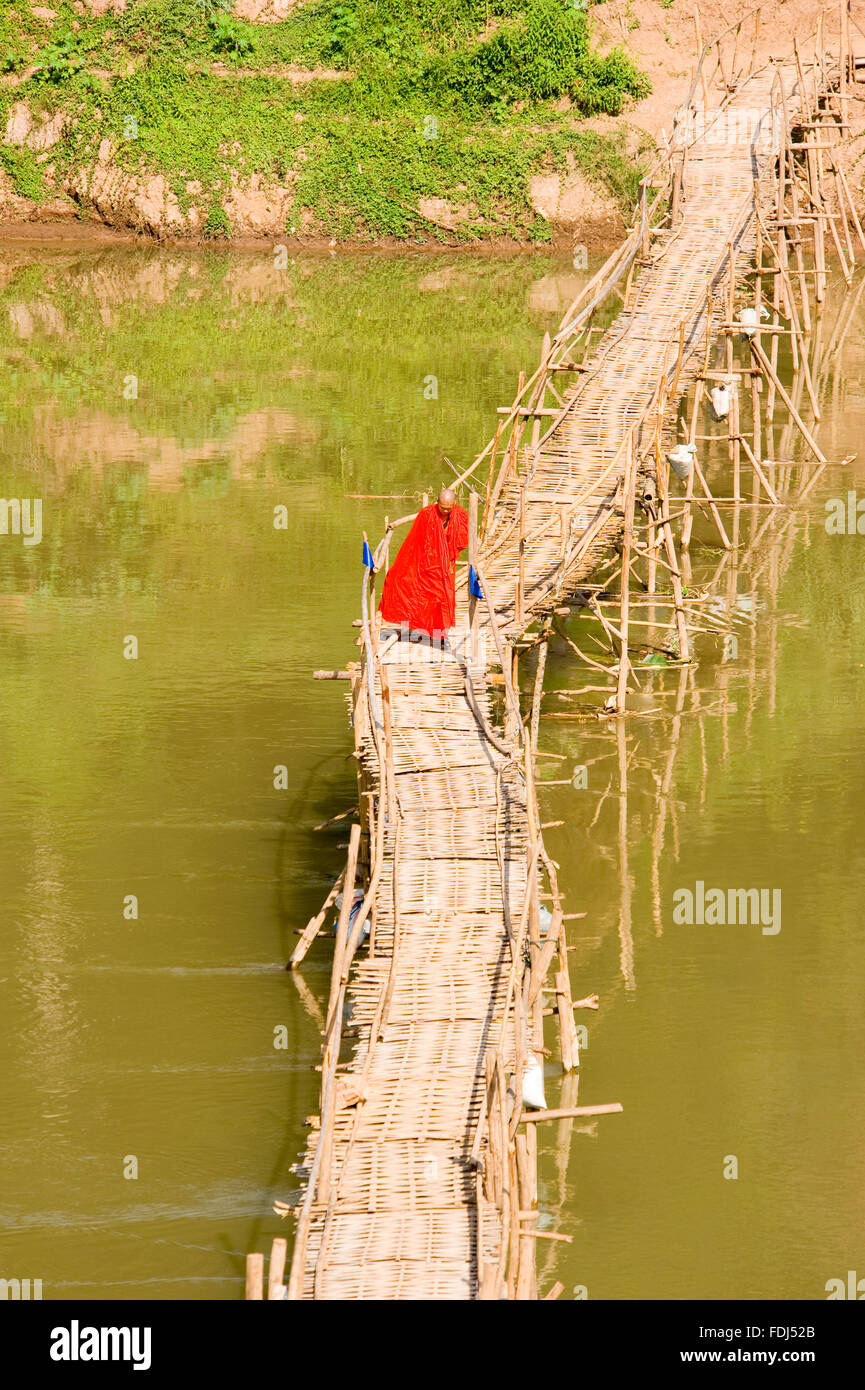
x=166, y=408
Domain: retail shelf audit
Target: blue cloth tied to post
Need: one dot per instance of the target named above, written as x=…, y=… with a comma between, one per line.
x=367, y=556
x=474, y=586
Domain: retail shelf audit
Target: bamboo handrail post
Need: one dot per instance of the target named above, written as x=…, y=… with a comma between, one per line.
x=645, y=242
x=513, y=702
x=473, y=548
x=702, y=53
x=736, y=33
x=679, y=359
x=493, y=1170
x=521, y=558
x=490, y=475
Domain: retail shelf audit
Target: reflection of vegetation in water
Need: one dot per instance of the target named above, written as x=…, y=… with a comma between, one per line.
x=340, y=345
x=358, y=152
x=256, y=387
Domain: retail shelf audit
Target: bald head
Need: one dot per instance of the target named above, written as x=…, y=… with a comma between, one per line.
x=446, y=501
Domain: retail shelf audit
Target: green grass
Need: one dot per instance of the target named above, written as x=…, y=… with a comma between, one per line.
x=481, y=75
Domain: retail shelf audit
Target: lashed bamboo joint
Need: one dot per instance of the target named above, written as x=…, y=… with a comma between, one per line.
x=420, y=1180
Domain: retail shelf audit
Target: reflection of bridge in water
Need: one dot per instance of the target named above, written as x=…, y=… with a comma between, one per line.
x=420, y=1179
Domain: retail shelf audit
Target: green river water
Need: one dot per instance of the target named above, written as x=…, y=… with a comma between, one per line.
x=161, y=404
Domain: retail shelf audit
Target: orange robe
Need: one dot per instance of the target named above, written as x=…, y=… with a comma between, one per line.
x=420, y=588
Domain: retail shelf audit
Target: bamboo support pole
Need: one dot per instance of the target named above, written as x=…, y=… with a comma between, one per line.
x=840, y=199
x=733, y=412
x=687, y=513
x=254, y=1277
x=733, y=435
x=764, y=362
x=755, y=450
x=776, y=305
x=758, y=306
x=313, y=926
x=514, y=1232
x=797, y=339
x=852, y=206
x=716, y=515
x=629, y=494
x=525, y=1282
x=508, y=1196
x=797, y=239
x=276, y=1269
x=333, y=1024
x=759, y=474
x=339, y=952
x=678, y=596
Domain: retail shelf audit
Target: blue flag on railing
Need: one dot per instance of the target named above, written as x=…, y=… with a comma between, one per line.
x=367, y=556
x=474, y=586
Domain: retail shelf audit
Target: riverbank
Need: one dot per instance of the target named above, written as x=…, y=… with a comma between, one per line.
x=434, y=125
x=359, y=123
x=598, y=236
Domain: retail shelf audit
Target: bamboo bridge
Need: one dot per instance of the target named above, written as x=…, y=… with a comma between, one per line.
x=420, y=1176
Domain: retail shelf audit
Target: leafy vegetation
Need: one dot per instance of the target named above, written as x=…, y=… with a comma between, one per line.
x=217, y=224
x=232, y=38
x=13, y=59
x=60, y=61
x=457, y=100
x=26, y=176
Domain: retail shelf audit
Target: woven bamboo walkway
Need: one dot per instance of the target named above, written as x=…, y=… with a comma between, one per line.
x=616, y=394
x=402, y=1212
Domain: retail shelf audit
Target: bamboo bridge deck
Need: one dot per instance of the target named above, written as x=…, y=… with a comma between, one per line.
x=417, y=1179
x=578, y=472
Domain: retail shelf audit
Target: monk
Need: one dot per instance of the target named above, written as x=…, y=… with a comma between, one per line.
x=420, y=588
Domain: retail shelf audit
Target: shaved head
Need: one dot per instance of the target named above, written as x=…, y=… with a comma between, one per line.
x=447, y=499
